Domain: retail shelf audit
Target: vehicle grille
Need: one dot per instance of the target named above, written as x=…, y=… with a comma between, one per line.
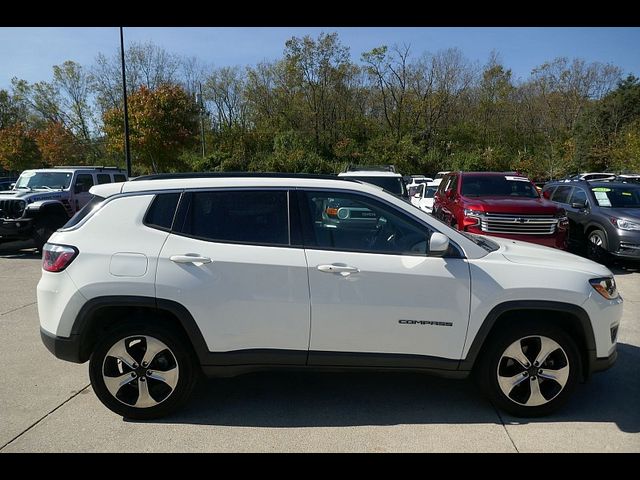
x=519, y=224
x=11, y=208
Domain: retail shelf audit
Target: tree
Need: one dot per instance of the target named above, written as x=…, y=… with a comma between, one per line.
x=18, y=148
x=162, y=123
x=72, y=80
x=57, y=145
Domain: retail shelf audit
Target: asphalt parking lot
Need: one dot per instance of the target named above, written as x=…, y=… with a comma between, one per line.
x=47, y=405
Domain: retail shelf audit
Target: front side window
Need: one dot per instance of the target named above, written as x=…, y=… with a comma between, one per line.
x=350, y=222
x=243, y=216
x=118, y=177
x=84, y=182
x=579, y=196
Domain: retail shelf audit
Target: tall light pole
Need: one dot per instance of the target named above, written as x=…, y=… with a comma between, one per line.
x=127, y=152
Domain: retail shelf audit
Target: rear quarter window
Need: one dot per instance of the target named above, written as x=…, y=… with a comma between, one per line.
x=162, y=210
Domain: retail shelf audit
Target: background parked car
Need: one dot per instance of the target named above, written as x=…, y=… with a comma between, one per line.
x=7, y=182
x=382, y=176
x=424, y=196
x=604, y=217
x=501, y=204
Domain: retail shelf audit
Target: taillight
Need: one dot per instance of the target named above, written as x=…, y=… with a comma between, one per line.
x=56, y=258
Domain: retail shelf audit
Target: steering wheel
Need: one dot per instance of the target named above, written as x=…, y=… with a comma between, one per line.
x=385, y=236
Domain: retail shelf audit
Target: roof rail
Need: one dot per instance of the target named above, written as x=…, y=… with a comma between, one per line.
x=371, y=168
x=173, y=176
x=88, y=167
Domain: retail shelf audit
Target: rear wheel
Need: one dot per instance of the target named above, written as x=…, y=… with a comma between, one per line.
x=142, y=371
x=530, y=370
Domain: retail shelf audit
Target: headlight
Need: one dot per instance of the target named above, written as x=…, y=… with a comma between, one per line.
x=17, y=209
x=605, y=287
x=625, y=224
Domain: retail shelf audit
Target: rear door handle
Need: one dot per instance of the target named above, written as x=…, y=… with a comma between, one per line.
x=189, y=259
x=334, y=268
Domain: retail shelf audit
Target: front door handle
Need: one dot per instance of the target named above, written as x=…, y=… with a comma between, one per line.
x=337, y=268
x=189, y=259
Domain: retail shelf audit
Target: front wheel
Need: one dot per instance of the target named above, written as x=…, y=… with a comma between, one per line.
x=142, y=371
x=597, y=246
x=530, y=370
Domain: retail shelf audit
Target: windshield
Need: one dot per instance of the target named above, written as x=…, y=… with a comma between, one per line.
x=617, y=197
x=390, y=184
x=498, y=185
x=46, y=180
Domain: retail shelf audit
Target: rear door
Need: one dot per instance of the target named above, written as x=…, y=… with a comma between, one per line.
x=233, y=262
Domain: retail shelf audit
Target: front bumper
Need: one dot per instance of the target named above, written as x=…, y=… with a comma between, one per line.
x=601, y=364
x=626, y=244
x=16, y=229
x=63, y=348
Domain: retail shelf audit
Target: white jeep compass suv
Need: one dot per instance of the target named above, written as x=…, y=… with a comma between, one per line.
x=157, y=281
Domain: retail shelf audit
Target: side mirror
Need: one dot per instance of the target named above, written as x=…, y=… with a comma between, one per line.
x=450, y=194
x=546, y=194
x=438, y=244
x=579, y=205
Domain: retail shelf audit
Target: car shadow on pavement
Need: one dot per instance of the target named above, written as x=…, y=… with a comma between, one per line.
x=18, y=250
x=280, y=400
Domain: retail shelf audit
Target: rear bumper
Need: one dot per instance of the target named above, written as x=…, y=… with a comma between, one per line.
x=63, y=348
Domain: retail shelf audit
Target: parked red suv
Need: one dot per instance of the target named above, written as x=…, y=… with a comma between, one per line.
x=501, y=204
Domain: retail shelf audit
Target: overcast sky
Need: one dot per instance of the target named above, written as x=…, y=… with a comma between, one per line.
x=30, y=53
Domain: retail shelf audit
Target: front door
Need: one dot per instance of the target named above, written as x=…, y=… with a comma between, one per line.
x=230, y=262
x=81, y=186
x=376, y=295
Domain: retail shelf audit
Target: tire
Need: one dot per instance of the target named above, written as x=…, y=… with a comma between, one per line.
x=530, y=392
x=41, y=233
x=597, y=246
x=160, y=388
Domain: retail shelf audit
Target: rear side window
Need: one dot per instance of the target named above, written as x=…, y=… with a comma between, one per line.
x=561, y=195
x=254, y=217
x=104, y=178
x=118, y=177
x=162, y=210
x=93, y=204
